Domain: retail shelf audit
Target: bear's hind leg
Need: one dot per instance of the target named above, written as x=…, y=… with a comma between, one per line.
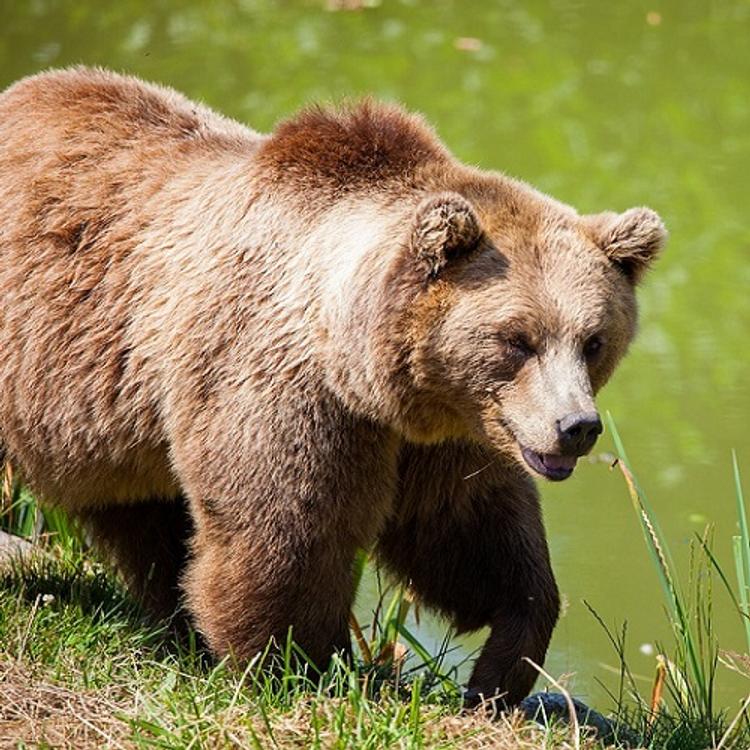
x=148, y=543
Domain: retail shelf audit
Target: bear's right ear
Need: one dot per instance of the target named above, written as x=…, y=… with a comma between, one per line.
x=445, y=228
x=631, y=240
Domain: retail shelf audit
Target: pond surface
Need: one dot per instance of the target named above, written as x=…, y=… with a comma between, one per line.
x=604, y=105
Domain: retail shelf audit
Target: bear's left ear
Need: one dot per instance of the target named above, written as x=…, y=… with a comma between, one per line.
x=445, y=228
x=631, y=240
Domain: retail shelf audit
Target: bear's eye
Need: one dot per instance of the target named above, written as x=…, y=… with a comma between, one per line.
x=520, y=346
x=592, y=347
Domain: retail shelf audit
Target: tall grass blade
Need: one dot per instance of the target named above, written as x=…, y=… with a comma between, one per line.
x=666, y=570
x=719, y=570
x=642, y=496
x=428, y=660
x=651, y=532
x=741, y=549
x=744, y=604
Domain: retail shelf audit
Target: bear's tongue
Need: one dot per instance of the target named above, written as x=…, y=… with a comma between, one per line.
x=567, y=463
x=551, y=466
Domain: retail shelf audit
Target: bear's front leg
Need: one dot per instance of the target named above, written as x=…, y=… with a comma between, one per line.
x=282, y=498
x=468, y=535
x=502, y=671
x=254, y=583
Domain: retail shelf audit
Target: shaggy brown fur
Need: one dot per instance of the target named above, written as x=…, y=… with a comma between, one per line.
x=325, y=339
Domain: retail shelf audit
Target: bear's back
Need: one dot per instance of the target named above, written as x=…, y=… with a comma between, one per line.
x=95, y=105
x=85, y=156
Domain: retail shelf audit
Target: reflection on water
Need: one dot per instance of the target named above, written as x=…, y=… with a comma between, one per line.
x=604, y=105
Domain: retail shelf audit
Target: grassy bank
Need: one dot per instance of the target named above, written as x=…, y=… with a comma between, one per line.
x=79, y=667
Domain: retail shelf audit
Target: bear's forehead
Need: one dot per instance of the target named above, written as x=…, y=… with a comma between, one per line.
x=545, y=308
x=558, y=258
x=549, y=255
x=546, y=282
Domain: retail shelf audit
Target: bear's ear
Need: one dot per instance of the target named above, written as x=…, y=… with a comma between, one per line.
x=445, y=228
x=631, y=240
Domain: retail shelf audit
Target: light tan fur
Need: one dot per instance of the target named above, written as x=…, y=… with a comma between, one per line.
x=329, y=338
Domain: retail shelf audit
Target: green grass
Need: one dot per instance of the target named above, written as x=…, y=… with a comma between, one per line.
x=686, y=717
x=79, y=667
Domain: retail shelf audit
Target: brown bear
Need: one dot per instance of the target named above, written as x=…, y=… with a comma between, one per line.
x=240, y=358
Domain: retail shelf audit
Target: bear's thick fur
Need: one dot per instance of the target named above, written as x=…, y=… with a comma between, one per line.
x=240, y=358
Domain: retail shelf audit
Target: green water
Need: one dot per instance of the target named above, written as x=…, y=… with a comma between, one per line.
x=604, y=105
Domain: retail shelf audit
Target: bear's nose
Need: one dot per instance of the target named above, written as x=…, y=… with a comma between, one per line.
x=577, y=432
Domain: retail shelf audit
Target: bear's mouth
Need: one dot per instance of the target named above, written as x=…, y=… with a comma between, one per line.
x=550, y=465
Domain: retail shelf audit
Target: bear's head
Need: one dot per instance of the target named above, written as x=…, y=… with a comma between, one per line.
x=459, y=304
x=524, y=312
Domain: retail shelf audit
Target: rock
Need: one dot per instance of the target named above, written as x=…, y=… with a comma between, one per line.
x=541, y=707
x=14, y=548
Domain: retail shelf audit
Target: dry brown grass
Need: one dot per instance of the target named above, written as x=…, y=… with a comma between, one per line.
x=41, y=713
x=37, y=712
